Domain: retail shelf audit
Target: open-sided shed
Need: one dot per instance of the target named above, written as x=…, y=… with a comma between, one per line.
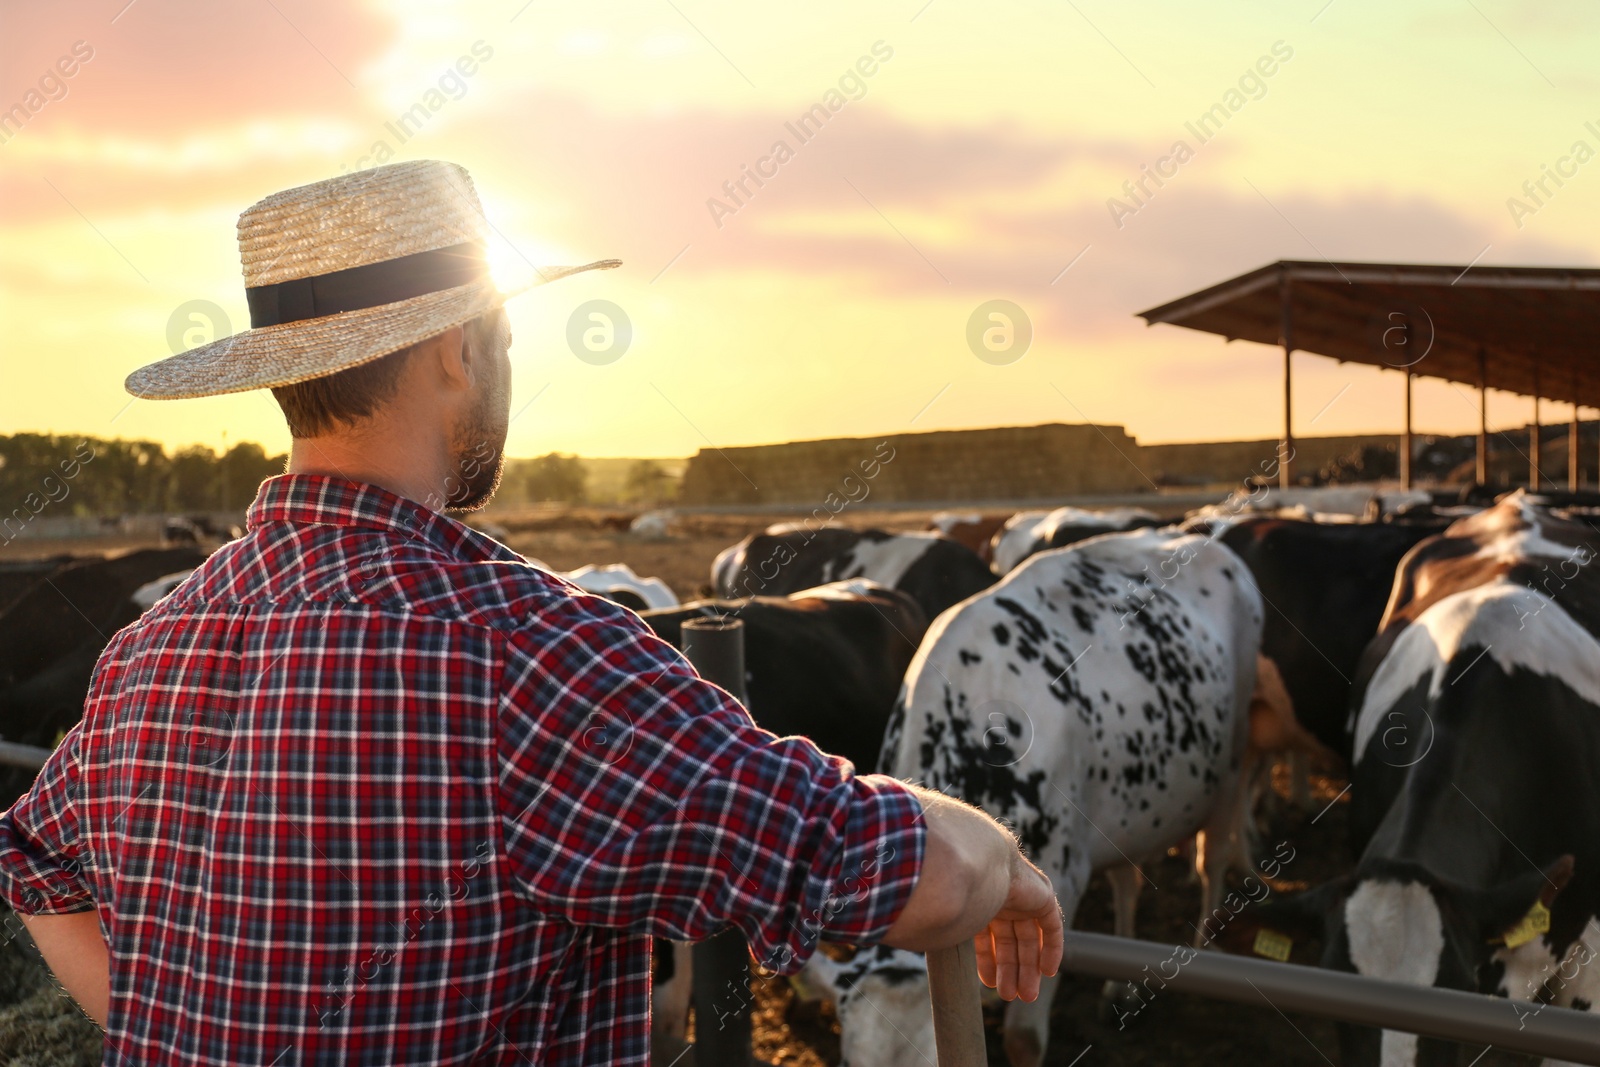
x=1525, y=330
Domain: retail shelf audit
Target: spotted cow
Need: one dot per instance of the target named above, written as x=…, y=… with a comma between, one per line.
x=882, y=995
x=1473, y=804
x=1096, y=700
x=934, y=570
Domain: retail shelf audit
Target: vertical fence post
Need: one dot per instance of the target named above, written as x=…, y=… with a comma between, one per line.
x=957, y=1007
x=715, y=645
x=720, y=990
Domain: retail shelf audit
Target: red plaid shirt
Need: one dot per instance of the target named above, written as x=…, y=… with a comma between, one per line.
x=369, y=788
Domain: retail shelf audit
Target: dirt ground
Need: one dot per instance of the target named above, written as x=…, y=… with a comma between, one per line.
x=39, y=1029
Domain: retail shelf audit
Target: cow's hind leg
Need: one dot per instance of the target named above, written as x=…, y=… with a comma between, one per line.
x=1220, y=845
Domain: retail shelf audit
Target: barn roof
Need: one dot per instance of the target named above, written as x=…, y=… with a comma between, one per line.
x=1527, y=330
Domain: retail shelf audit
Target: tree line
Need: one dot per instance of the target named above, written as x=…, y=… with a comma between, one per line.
x=81, y=475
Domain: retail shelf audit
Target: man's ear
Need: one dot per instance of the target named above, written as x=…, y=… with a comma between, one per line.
x=447, y=352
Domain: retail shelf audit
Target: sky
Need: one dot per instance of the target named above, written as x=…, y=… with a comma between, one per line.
x=971, y=153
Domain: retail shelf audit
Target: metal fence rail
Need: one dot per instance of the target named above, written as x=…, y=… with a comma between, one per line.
x=1559, y=1033
x=27, y=756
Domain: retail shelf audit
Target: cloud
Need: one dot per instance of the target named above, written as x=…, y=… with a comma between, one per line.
x=182, y=64
x=871, y=201
x=998, y=211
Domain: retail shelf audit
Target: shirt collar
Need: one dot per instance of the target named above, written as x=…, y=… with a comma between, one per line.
x=304, y=499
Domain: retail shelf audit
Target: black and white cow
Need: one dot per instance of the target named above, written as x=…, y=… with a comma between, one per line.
x=936, y=571
x=1096, y=700
x=1323, y=589
x=1028, y=532
x=825, y=663
x=617, y=582
x=1474, y=804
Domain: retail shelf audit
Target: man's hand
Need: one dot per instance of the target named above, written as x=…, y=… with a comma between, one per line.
x=1023, y=942
x=975, y=883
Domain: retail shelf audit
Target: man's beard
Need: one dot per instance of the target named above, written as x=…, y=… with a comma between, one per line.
x=479, y=453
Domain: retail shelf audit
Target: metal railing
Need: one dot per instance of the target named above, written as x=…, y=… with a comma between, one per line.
x=29, y=757
x=1534, y=1029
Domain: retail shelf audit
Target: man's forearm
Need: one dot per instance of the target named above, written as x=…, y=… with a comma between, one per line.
x=76, y=954
x=966, y=874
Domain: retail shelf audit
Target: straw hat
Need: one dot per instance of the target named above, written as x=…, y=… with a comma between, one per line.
x=343, y=271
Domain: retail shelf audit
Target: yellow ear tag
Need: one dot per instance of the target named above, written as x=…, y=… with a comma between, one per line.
x=804, y=989
x=1530, y=926
x=1272, y=945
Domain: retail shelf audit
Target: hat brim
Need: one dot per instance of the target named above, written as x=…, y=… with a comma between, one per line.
x=291, y=352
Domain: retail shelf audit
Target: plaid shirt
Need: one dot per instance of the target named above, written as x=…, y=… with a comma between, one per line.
x=370, y=788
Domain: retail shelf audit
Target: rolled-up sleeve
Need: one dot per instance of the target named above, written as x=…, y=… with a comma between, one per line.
x=41, y=870
x=636, y=795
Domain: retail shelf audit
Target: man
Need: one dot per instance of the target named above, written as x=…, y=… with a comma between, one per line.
x=369, y=788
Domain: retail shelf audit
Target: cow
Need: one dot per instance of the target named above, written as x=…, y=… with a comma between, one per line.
x=1096, y=699
x=617, y=582
x=19, y=576
x=826, y=663
x=971, y=528
x=144, y=598
x=1476, y=720
x=83, y=601
x=934, y=570
x=51, y=636
x=653, y=525
x=1028, y=532
x=1323, y=587
x=1274, y=733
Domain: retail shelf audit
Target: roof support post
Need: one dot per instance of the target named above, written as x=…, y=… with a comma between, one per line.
x=1286, y=447
x=1572, y=439
x=1405, y=438
x=1483, y=417
x=1533, y=432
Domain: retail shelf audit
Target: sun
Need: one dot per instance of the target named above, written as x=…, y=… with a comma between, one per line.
x=516, y=259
